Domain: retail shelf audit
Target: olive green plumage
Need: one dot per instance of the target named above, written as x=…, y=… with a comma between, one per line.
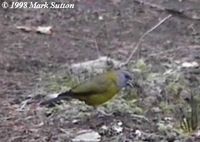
x=98, y=90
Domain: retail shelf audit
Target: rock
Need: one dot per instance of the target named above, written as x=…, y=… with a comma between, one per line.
x=104, y=127
x=117, y=129
x=138, y=133
x=190, y=64
x=87, y=136
x=75, y=121
x=98, y=66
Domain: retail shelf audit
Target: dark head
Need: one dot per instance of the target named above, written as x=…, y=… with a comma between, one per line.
x=125, y=79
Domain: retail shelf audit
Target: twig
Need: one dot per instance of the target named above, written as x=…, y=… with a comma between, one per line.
x=24, y=104
x=142, y=37
x=97, y=48
x=140, y=117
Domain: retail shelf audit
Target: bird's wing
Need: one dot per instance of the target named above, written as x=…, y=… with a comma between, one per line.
x=94, y=86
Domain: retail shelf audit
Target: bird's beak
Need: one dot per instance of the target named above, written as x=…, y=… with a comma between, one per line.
x=130, y=83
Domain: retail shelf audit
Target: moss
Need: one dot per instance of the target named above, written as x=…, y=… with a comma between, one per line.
x=175, y=89
x=142, y=65
x=167, y=108
x=155, y=77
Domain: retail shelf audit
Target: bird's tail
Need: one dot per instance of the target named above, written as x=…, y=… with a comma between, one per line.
x=62, y=96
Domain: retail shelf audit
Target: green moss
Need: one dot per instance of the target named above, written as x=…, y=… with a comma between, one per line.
x=142, y=65
x=175, y=89
x=167, y=108
x=155, y=77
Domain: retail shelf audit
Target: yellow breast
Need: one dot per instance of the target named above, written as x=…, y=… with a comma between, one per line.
x=98, y=99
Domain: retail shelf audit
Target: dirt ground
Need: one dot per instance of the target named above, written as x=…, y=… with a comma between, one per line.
x=28, y=59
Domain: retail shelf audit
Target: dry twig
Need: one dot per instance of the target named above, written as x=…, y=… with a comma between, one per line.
x=142, y=37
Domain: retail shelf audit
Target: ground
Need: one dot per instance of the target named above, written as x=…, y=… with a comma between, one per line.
x=30, y=62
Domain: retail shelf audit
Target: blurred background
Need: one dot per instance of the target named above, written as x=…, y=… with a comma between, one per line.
x=35, y=62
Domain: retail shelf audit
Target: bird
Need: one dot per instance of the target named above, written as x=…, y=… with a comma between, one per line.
x=95, y=91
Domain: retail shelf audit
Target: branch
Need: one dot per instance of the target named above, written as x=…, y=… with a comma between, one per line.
x=142, y=37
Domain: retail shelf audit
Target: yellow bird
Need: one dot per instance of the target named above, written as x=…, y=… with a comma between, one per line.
x=97, y=90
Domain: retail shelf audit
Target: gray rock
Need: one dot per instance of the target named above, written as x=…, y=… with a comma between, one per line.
x=87, y=136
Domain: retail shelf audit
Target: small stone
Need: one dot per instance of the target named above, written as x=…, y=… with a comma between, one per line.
x=104, y=127
x=100, y=17
x=51, y=96
x=117, y=129
x=119, y=123
x=168, y=118
x=190, y=64
x=75, y=121
x=87, y=136
x=138, y=133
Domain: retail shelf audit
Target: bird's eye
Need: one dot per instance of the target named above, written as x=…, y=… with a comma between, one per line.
x=128, y=77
